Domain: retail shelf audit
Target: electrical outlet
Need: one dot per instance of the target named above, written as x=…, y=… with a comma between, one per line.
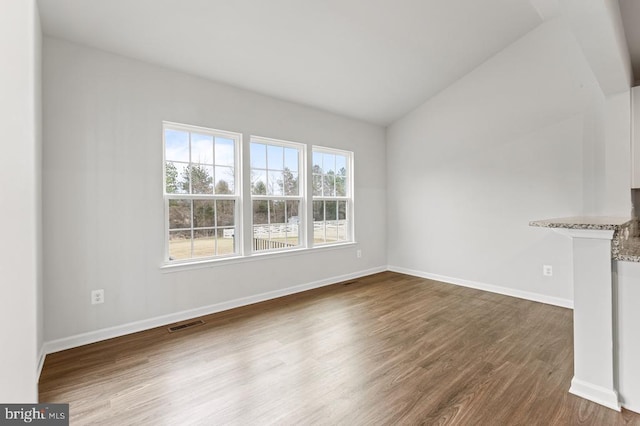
x=97, y=296
x=358, y=253
x=547, y=270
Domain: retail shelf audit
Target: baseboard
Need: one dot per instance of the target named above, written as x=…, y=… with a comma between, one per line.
x=631, y=407
x=134, y=327
x=41, y=357
x=535, y=297
x=598, y=394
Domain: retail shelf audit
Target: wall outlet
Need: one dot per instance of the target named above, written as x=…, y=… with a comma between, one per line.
x=97, y=296
x=358, y=253
x=547, y=270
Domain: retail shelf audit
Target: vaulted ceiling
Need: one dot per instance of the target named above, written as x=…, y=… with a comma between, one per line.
x=373, y=60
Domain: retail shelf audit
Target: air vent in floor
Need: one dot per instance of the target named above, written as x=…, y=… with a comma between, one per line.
x=180, y=327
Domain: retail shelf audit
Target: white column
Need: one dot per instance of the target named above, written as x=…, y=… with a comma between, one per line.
x=593, y=376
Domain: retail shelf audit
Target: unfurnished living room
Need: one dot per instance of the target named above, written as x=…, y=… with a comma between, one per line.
x=303, y=212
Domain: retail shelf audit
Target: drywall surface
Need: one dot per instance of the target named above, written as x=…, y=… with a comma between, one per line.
x=472, y=166
x=19, y=170
x=103, y=203
x=627, y=345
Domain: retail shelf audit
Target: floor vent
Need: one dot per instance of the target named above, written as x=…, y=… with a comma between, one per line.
x=350, y=282
x=180, y=327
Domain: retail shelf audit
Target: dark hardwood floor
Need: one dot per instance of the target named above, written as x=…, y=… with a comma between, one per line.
x=386, y=349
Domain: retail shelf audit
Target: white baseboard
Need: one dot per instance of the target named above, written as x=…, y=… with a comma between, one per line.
x=41, y=357
x=598, y=394
x=631, y=407
x=535, y=297
x=134, y=327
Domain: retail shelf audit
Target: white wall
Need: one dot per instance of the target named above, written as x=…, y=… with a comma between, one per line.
x=502, y=146
x=627, y=343
x=19, y=172
x=606, y=156
x=103, y=205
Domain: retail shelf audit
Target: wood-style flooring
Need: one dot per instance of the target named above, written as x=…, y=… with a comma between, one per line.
x=387, y=349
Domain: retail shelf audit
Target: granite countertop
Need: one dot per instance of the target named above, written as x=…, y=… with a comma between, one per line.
x=583, y=222
x=625, y=244
x=629, y=250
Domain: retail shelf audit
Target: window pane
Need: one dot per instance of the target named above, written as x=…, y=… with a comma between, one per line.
x=276, y=212
x=225, y=180
x=317, y=185
x=317, y=162
x=202, y=179
x=179, y=214
x=291, y=159
x=177, y=178
x=275, y=157
x=204, y=243
x=225, y=152
x=260, y=212
x=258, y=182
x=174, y=178
x=201, y=149
x=329, y=186
x=199, y=162
x=318, y=211
x=176, y=145
x=318, y=232
x=342, y=230
x=342, y=210
x=203, y=213
x=225, y=212
x=329, y=163
x=258, y=156
x=331, y=231
x=341, y=165
x=341, y=186
x=226, y=241
x=290, y=184
x=179, y=245
x=293, y=222
x=274, y=183
x=331, y=210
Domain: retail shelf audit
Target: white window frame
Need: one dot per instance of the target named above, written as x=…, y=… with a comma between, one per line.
x=348, y=198
x=236, y=196
x=301, y=197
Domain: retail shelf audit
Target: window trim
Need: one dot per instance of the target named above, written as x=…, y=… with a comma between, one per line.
x=237, y=196
x=349, y=198
x=243, y=197
x=301, y=197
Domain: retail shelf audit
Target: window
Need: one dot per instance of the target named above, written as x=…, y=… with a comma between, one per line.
x=291, y=200
x=201, y=192
x=277, y=194
x=332, y=196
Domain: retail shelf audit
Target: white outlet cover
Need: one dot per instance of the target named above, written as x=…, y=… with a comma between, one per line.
x=97, y=296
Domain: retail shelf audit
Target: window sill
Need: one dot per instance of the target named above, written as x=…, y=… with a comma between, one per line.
x=212, y=263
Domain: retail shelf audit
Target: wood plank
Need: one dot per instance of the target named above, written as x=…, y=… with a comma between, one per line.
x=387, y=349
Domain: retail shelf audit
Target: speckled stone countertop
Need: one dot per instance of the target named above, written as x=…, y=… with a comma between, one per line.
x=625, y=244
x=583, y=222
x=629, y=242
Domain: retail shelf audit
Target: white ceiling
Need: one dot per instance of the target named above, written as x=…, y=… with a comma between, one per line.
x=374, y=60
